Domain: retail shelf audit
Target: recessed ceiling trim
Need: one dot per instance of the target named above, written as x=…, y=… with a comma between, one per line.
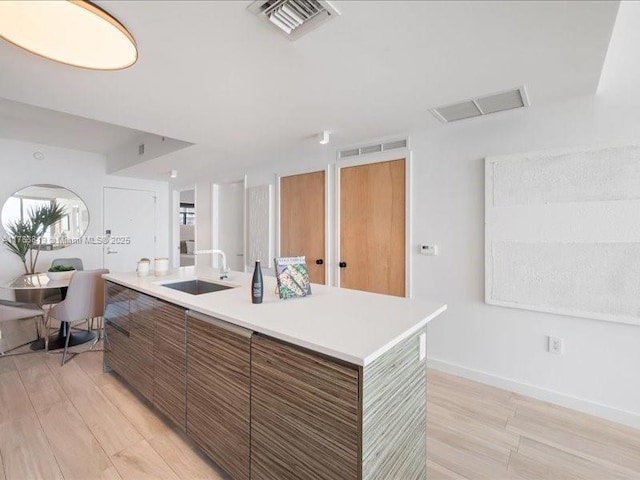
x=482, y=105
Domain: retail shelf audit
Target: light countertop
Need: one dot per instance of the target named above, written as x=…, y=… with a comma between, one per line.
x=350, y=325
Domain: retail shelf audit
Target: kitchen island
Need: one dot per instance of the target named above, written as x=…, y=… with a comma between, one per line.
x=330, y=386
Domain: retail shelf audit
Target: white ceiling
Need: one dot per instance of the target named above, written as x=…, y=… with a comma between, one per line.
x=213, y=74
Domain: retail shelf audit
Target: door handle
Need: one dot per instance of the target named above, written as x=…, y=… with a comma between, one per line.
x=109, y=252
x=319, y=261
x=342, y=264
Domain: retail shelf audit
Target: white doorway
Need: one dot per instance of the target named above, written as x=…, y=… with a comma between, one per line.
x=228, y=229
x=186, y=225
x=129, y=228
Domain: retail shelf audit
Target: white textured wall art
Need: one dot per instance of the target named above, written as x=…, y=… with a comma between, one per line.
x=563, y=232
x=259, y=225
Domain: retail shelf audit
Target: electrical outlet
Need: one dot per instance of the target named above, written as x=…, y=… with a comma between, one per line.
x=555, y=345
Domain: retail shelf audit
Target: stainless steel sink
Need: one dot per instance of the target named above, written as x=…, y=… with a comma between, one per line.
x=196, y=287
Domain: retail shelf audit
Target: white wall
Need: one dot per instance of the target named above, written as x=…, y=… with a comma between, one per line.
x=85, y=174
x=600, y=360
x=503, y=346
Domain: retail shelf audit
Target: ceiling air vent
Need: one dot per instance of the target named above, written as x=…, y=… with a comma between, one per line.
x=479, y=106
x=374, y=148
x=294, y=18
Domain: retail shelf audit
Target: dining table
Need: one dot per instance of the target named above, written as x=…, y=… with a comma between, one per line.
x=37, y=288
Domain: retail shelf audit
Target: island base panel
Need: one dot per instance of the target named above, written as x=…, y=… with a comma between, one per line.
x=394, y=414
x=305, y=415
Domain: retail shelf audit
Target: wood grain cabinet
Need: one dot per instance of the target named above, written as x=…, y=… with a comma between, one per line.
x=305, y=415
x=313, y=417
x=129, y=325
x=141, y=327
x=263, y=409
x=146, y=346
x=116, y=325
x=218, y=392
x=170, y=355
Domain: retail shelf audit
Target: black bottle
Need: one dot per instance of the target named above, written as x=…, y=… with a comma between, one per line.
x=257, y=288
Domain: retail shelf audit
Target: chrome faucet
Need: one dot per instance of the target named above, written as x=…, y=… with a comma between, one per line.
x=224, y=270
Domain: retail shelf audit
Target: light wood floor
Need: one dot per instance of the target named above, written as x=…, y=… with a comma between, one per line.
x=77, y=422
x=479, y=432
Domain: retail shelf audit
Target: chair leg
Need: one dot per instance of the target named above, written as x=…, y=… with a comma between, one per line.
x=66, y=346
x=47, y=331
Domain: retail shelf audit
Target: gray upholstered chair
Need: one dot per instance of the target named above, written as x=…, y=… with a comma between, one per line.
x=84, y=301
x=18, y=311
x=56, y=295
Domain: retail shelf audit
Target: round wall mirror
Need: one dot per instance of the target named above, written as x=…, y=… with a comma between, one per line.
x=66, y=231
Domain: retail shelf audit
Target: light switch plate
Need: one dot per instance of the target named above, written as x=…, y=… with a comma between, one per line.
x=429, y=250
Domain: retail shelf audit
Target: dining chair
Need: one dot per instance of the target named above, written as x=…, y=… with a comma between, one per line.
x=84, y=301
x=56, y=295
x=10, y=310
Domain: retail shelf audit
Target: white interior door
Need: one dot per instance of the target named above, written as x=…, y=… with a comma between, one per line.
x=130, y=225
x=230, y=224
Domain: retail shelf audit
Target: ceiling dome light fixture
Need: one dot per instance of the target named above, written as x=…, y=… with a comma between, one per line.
x=74, y=32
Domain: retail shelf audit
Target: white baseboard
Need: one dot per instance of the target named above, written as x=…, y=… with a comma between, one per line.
x=592, y=408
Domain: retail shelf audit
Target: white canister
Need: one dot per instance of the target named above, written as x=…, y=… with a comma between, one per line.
x=161, y=266
x=143, y=268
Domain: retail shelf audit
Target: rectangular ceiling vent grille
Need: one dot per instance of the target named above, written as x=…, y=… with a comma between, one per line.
x=476, y=107
x=375, y=148
x=294, y=18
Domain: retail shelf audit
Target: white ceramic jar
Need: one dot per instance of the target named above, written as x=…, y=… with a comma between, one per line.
x=161, y=266
x=143, y=268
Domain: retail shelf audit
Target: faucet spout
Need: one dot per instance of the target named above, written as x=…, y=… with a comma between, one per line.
x=224, y=270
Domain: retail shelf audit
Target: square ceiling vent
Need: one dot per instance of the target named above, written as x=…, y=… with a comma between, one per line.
x=476, y=107
x=294, y=18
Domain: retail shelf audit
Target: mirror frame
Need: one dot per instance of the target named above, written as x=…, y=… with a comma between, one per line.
x=49, y=246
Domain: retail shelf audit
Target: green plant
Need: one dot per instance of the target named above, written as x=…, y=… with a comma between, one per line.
x=26, y=235
x=61, y=268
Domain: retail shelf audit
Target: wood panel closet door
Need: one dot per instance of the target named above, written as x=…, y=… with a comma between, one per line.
x=305, y=415
x=372, y=227
x=302, y=220
x=170, y=389
x=219, y=392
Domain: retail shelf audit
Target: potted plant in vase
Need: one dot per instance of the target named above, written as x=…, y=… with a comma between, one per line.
x=60, y=272
x=25, y=236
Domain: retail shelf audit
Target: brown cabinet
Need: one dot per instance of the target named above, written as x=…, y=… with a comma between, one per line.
x=116, y=325
x=141, y=327
x=169, y=379
x=305, y=415
x=146, y=346
x=218, y=392
x=129, y=324
x=263, y=409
